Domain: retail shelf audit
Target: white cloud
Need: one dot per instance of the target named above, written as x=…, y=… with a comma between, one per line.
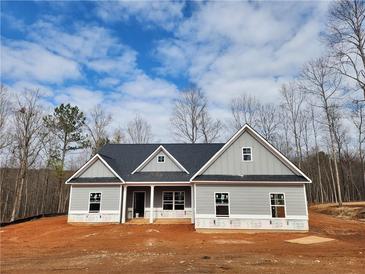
x=232, y=48
x=164, y=14
x=29, y=61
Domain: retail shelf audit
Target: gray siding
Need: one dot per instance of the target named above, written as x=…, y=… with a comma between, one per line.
x=109, y=197
x=250, y=200
x=264, y=161
x=158, y=194
x=97, y=169
x=153, y=165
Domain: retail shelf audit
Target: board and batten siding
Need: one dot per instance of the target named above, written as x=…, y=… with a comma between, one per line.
x=264, y=162
x=153, y=165
x=97, y=169
x=251, y=200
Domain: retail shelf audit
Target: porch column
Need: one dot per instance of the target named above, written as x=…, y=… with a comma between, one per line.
x=151, y=203
x=192, y=204
x=124, y=207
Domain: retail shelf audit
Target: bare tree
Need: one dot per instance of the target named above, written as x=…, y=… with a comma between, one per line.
x=187, y=115
x=244, y=111
x=268, y=121
x=346, y=38
x=210, y=129
x=4, y=116
x=118, y=136
x=323, y=82
x=28, y=134
x=358, y=119
x=97, y=126
x=293, y=100
x=139, y=131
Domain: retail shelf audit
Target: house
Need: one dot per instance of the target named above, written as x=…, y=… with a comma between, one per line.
x=245, y=183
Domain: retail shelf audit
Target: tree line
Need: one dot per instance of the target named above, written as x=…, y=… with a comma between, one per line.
x=317, y=122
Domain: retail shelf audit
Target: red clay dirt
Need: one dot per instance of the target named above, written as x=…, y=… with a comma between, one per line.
x=51, y=245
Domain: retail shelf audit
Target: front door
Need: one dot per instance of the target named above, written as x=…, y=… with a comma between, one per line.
x=138, y=205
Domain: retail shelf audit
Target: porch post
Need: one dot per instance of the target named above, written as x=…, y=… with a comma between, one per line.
x=192, y=204
x=151, y=203
x=124, y=207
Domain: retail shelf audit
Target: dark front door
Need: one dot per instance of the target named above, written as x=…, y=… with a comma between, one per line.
x=138, y=207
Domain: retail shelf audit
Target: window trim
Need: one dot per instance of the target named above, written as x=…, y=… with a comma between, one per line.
x=229, y=204
x=101, y=199
x=161, y=155
x=275, y=218
x=173, y=200
x=243, y=160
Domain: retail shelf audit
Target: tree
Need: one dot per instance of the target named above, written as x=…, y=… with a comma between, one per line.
x=210, y=129
x=268, y=121
x=4, y=116
x=28, y=134
x=139, y=131
x=187, y=115
x=97, y=126
x=322, y=81
x=358, y=119
x=244, y=110
x=346, y=39
x=118, y=136
x=293, y=100
x=66, y=124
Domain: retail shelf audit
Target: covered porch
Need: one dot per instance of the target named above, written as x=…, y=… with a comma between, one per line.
x=157, y=203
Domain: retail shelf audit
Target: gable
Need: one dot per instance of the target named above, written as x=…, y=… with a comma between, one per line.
x=97, y=170
x=168, y=166
x=264, y=161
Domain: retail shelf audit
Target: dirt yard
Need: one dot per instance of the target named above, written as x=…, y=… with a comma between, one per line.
x=52, y=245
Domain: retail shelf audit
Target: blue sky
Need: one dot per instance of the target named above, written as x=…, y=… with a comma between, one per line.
x=135, y=57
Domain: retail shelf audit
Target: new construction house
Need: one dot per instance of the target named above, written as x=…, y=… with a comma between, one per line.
x=244, y=183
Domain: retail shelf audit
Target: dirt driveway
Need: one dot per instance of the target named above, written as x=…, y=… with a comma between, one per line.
x=52, y=245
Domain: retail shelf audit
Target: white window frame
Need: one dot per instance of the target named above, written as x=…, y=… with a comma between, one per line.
x=229, y=204
x=101, y=199
x=173, y=200
x=243, y=160
x=161, y=155
x=283, y=193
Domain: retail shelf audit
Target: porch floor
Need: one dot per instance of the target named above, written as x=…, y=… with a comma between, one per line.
x=169, y=221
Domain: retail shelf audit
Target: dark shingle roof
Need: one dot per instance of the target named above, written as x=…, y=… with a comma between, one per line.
x=125, y=158
x=273, y=178
x=95, y=180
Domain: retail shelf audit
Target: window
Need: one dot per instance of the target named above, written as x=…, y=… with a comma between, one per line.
x=221, y=205
x=277, y=205
x=94, y=205
x=246, y=154
x=173, y=200
x=160, y=158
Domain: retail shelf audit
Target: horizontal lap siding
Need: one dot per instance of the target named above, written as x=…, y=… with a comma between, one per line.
x=109, y=199
x=251, y=200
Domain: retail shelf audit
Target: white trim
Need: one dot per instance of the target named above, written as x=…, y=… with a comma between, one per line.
x=173, y=200
x=69, y=200
x=277, y=192
x=305, y=199
x=101, y=200
x=160, y=155
x=229, y=204
x=97, y=183
x=233, y=139
x=192, y=203
x=250, y=182
x=158, y=183
x=124, y=206
x=152, y=198
x=251, y=216
x=90, y=162
x=153, y=155
x=144, y=202
x=243, y=160
x=120, y=203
